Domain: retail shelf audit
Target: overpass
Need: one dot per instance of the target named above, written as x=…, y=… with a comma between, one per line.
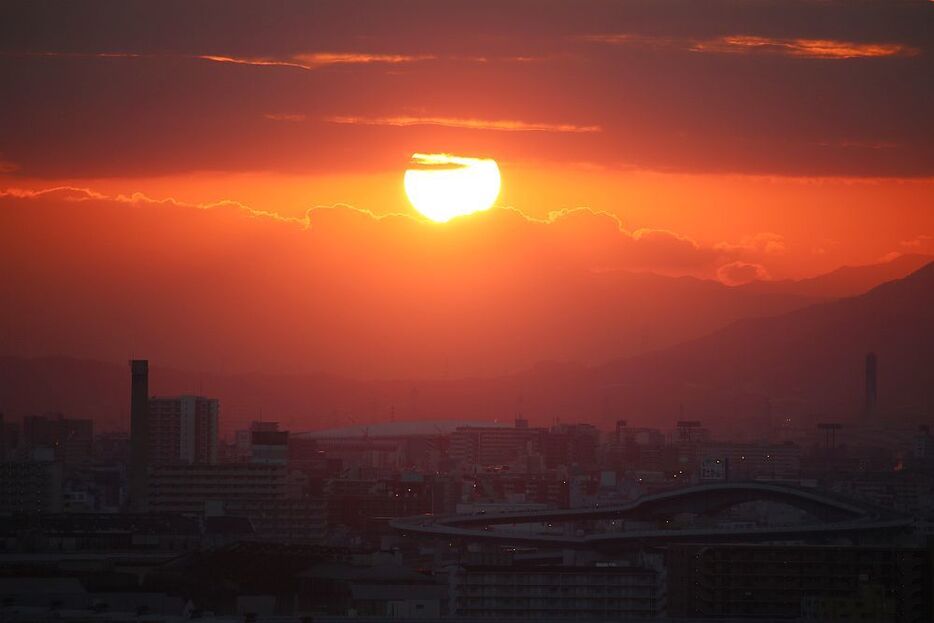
x=832, y=516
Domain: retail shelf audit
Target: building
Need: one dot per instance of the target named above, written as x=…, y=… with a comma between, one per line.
x=96, y=534
x=183, y=429
x=31, y=487
x=195, y=488
x=9, y=438
x=601, y=592
x=737, y=461
x=571, y=444
x=386, y=454
x=636, y=448
x=243, y=439
x=263, y=442
x=381, y=591
x=272, y=498
x=305, y=456
x=286, y=520
x=177, y=430
x=793, y=581
x=365, y=505
x=551, y=488
x=271, y=447
x=495, y=445
x=71, y=440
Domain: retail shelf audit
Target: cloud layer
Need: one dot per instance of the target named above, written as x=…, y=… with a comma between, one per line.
x=793, y=88
x=224, y=286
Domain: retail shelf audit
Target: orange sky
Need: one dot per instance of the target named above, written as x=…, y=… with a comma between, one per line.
x=765, y=141
x=824, y=222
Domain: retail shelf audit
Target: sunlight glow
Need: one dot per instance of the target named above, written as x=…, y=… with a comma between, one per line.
x=444, y=186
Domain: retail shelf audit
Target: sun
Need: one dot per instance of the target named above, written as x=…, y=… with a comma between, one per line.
x=443, y=186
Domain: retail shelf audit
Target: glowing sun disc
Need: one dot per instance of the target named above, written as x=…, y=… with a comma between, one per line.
x=445, y=186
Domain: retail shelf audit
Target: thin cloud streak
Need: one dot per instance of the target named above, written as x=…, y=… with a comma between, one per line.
x=256, y=62
x=305, y=62
x=806, y=48
x=827, y=49
x=503, y=125
x=319, y=59
x=288, y=117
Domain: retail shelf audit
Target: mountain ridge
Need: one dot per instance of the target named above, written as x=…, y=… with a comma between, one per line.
x=804, y=363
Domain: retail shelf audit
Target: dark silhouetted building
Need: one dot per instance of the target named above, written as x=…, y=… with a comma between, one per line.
x=599, y=592
x=71, y=441
x=30, y=487
x=139, y=433
x=816, y=582
x=166, y=431
x=494, y=445
x=182, y=429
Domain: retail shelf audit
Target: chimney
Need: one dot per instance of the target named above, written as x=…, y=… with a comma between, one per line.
x=139, y=434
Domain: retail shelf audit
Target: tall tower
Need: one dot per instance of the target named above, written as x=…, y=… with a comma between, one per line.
x=139, y=433
x=871, y=393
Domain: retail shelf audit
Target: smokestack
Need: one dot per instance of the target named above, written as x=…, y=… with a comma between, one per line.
x=139, y=433
x=871, y=392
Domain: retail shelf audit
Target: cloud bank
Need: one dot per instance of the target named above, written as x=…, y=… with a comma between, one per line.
x=222, y=286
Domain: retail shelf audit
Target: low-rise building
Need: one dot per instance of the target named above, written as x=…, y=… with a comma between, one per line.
x=790, y=581
x=599, y=592
x=31, y=487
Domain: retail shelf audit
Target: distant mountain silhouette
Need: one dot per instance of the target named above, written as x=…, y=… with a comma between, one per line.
x=810, y=361
x=844, y=281
x=804, y=364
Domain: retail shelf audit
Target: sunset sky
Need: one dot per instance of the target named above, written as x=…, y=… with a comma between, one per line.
x=199, y=149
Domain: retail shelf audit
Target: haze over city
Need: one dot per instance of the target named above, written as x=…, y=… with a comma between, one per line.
x=394, y=297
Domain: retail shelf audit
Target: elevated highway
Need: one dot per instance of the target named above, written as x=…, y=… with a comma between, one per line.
x=831, y=517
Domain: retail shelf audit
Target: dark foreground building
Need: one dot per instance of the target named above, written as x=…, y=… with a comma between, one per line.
x=810, y=582
x=595, y=592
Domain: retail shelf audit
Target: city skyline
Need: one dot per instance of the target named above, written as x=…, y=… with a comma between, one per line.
x=408, y=311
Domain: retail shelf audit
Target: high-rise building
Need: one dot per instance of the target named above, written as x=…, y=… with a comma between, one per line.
x=166, y=431
x=182, y=429
x=139, y=433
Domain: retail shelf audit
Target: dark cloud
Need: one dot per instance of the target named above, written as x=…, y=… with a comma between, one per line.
x=787, y=88
x=738, y=273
